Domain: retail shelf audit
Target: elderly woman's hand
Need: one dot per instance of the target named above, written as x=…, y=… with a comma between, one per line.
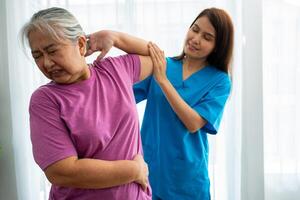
x=142, y=178
x=99, y=41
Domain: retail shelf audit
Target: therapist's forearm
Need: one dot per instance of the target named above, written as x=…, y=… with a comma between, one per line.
x=189, y=117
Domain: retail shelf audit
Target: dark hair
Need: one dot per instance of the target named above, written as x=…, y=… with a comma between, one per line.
x=221, y=56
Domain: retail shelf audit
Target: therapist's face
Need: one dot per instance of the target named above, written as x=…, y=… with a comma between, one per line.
x=200, y=39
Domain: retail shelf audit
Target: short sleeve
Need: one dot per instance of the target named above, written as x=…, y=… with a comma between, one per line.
x=141, y=89
x=50, y=138
x=128, y=64
x=211, y=106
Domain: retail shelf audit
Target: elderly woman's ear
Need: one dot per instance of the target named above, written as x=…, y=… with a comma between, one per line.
x=82, y=45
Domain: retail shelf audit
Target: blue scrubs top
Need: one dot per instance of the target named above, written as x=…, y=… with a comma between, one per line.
x=177, y=159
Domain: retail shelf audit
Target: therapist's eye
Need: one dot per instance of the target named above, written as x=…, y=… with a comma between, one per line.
x=195, y=29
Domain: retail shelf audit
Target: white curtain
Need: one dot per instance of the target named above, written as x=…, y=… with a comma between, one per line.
x=281, y=34
x=23, y=79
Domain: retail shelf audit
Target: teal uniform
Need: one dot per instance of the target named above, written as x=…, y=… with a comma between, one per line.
x=178, y=159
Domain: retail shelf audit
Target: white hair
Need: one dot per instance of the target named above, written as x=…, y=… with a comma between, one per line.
x=57, y=23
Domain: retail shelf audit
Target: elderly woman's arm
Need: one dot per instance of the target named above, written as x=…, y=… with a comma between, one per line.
x=95, y=174
x=104, y=40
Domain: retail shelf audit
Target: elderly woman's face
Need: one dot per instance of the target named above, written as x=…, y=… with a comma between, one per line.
x=63, y=62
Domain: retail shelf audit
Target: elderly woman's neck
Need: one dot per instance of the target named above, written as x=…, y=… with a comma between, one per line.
x=86, y=72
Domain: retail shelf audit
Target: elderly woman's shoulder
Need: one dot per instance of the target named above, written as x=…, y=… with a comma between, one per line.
x=41, y=94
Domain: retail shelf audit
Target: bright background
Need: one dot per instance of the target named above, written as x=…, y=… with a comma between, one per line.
x=256, y=153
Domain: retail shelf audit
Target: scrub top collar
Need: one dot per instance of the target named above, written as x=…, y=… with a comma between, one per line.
x=175, y=74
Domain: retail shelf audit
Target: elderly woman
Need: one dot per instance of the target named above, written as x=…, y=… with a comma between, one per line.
x=84, y=124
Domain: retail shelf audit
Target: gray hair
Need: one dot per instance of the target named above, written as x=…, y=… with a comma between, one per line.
x=58, y=23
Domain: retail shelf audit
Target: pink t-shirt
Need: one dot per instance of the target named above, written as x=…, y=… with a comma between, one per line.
x=95, y=118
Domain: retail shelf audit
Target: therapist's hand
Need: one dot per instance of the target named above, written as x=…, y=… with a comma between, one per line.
x=159, y=62
x=143, y=174
x=99, y=41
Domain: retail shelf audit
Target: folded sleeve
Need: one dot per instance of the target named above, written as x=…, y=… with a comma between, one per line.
x=50, y=138
x=211, y=106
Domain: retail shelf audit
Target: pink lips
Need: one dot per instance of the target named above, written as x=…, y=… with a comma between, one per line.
x=192, y=48
x=56, y=73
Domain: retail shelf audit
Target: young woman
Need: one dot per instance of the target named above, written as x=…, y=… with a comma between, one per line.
x=84, y=124
x=185, y=100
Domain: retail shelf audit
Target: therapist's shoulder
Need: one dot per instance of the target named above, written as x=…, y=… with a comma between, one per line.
x=221, y=80
x=220, y=76
x=172, y=62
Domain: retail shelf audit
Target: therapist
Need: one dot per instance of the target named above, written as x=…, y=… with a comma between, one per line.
x=185, y=100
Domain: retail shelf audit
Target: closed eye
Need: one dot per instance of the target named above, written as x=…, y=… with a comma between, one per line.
x=195, y=29
x=36, y=56
x=52, y=52
x=208, y=37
